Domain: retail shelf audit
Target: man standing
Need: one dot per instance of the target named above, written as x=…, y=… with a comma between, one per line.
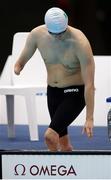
x=70, y=68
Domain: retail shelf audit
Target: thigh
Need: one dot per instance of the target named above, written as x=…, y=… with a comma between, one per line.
x=54, y=103
x=66, y=112
x=54, y=99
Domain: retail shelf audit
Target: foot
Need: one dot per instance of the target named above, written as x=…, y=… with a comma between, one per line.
x=68, y=148
x=64, y=144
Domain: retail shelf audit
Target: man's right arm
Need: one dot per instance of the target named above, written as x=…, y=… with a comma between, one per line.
x=26, y=53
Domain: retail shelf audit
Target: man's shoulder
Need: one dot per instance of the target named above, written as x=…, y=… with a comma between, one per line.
x=37, y=33
x=38, y=29
x=79, y=37
x=76, y=32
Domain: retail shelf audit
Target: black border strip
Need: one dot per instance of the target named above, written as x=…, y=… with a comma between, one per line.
x=34, y=152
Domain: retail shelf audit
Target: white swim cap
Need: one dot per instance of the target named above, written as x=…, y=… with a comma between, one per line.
x=56, y=20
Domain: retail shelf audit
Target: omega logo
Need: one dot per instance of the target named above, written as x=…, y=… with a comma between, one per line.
x=50, y=170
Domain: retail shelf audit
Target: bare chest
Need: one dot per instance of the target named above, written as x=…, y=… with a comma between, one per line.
x=60, y=53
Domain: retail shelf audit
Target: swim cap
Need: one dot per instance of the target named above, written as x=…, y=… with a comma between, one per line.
x=56, y=20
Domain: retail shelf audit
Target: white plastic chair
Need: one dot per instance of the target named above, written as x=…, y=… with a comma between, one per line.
x=30, y=82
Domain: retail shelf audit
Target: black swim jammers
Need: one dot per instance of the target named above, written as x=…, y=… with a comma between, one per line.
x=64, y=105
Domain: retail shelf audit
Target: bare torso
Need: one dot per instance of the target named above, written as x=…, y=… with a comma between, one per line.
x=59, y=55
x=69, y=61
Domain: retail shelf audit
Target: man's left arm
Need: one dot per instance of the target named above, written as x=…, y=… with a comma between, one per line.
x=85, y=56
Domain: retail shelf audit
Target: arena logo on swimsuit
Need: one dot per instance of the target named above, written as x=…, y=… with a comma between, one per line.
x=71, y=90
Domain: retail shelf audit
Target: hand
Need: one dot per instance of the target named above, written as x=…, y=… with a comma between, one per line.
x=88, y=128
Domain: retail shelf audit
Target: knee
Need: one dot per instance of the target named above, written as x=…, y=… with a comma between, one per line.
x=51, y=136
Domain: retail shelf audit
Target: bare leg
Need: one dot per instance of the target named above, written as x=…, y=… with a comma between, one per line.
x=52, y=139
x=65, y=144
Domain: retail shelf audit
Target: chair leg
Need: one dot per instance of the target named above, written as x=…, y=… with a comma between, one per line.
x=32, y=116
x=10, y=115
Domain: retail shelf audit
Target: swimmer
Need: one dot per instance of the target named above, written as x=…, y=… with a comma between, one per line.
x=69, y=61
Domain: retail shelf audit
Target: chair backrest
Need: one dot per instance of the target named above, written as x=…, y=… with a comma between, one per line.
x=34, y=72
